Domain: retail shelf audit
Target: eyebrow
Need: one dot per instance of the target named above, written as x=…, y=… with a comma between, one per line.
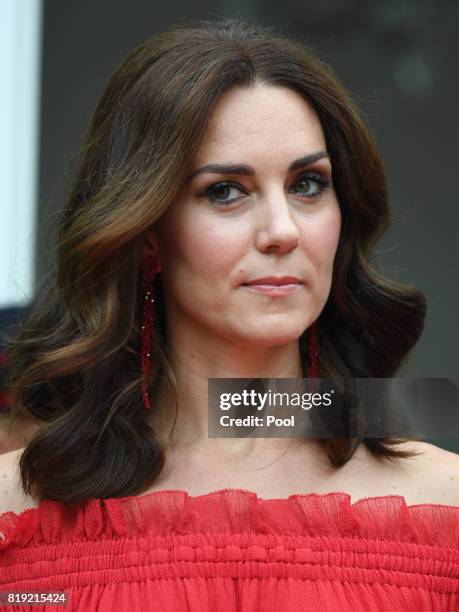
x=249, y=171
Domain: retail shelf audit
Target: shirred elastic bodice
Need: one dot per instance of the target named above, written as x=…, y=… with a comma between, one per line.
x=234, y=551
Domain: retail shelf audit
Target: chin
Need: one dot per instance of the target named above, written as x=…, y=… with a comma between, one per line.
x=270, y=337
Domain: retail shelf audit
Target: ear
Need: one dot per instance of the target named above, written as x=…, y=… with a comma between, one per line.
x=151, y=244
x=150, y=251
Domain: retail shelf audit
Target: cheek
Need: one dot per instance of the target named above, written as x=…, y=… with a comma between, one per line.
x=326, y=235
x=322, y=241
x=204, y=248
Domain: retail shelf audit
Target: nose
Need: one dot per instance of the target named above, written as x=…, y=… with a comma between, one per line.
x=277, y=229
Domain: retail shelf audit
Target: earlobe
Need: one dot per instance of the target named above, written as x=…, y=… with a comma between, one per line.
x=150, y=258
x=150, y=264
x=151, y=243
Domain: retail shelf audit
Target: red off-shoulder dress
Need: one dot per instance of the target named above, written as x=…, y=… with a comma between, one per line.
x=231, y=550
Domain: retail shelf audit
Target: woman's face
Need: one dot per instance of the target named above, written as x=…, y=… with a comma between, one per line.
x=268, y=215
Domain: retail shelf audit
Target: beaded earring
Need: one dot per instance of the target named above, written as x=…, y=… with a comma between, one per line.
x=313, y=351
x=312, y=364
x=147, y=326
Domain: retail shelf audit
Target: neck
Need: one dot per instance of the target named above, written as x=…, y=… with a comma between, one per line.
x=197, y=359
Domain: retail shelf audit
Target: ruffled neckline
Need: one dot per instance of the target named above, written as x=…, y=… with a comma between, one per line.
x=234, y=511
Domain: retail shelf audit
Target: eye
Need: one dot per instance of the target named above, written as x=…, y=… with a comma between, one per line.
x=216, y=193
x=313, y=184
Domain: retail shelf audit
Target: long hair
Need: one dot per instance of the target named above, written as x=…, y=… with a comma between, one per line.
x=73, y=366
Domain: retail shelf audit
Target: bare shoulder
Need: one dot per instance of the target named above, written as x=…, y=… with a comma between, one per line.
x=434, y=474
x=12, y=497
x=431, y=476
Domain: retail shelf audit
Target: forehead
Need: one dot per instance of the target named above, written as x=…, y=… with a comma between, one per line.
x=264, y=116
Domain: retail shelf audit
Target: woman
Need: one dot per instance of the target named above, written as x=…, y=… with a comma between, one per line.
x=220, y=154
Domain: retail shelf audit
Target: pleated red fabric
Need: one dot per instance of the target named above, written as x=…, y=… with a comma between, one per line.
x=231, y=550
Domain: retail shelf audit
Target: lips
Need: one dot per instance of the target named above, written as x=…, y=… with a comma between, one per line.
x=275, y=281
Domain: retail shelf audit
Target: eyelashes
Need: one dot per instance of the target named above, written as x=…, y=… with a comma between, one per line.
x=317, y=181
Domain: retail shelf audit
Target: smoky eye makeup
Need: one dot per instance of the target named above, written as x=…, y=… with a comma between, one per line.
x=313, y=185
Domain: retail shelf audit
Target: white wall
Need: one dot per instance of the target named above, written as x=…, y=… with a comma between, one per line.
x=20, y=63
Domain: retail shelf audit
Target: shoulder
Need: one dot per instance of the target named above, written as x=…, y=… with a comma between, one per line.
x=433, y=475
x=442, y=470
x=12, y=496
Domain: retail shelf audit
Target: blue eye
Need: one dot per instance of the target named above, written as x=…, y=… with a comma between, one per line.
x=315, y=183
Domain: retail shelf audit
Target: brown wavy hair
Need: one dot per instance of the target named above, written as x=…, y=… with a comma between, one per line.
x=73, y=366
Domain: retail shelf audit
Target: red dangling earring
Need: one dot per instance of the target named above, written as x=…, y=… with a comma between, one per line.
x=147, y=327
x=312, y=366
